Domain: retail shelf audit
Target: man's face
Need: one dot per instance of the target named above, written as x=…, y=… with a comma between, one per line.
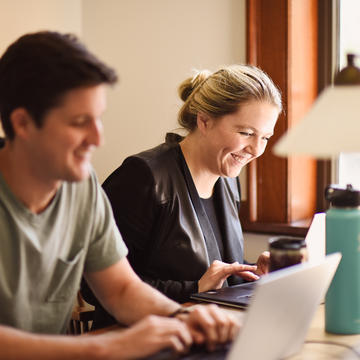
x=62, y=147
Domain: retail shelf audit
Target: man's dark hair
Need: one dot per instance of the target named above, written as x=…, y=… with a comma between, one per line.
x=38, y=69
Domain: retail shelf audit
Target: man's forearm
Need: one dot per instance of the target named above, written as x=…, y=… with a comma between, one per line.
x=143, y=300
x=125, y=296
x=16, y=344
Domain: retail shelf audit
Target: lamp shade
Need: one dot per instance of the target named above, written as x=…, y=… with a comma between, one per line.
x=331, y=126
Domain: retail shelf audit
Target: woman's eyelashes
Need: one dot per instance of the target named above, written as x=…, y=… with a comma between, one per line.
x=248, y=134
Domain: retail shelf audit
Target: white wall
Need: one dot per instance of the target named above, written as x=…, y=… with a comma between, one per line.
x=254, y=245
x=154, y=45
x=18, y=17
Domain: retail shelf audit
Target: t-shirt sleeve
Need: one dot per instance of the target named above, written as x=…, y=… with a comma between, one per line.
x=106, y=246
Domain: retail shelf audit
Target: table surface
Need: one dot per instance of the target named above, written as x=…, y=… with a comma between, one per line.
x=327, y=351
x=309, y=351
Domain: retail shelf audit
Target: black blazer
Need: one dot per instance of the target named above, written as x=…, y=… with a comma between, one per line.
x=160, y=216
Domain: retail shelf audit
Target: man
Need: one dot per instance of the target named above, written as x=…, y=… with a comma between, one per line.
x=55, y=221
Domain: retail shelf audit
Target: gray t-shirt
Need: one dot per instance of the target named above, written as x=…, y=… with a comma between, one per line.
x=43, y=256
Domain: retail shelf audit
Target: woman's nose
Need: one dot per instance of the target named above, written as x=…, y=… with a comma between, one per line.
x=257, y=146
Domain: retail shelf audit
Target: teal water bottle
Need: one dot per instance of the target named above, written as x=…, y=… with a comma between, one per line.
x=342, y=303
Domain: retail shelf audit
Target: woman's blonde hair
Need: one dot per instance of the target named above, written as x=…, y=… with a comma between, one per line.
x=222, y=92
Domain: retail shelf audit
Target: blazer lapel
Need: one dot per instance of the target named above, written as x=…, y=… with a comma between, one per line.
x=211, y=244
x=229, y=221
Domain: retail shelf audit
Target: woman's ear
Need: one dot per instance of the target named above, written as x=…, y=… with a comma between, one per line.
x=21, y=122
x=203, y=121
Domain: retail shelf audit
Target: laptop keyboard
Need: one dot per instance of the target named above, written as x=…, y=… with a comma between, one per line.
x=196, y=352
x=239, y=297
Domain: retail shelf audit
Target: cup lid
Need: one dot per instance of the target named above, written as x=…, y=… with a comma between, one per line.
x=286, y=243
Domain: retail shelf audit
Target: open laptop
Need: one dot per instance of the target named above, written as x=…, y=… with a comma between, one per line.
x=279, y=315
x=240, y=295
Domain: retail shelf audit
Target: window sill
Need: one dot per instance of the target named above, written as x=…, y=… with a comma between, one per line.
x=298, y=228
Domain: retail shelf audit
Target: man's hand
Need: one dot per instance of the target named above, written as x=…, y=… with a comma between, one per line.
x=204, y=324
x=263, y=263
x=218, y=272
x=146, y=337
x=210, y=325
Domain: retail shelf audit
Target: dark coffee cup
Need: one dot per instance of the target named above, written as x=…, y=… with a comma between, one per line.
x=286, y=251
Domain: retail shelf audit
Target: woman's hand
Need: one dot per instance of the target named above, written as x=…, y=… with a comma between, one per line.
x=263, y=263
x=219, y=271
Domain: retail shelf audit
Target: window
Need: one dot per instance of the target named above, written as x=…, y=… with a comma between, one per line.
x=299, y=44
x=347, y=168
x=281, y=193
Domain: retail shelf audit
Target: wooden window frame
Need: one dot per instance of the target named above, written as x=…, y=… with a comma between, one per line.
x=289, y=40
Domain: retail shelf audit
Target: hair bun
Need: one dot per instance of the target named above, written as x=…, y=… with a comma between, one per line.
x=190, y=84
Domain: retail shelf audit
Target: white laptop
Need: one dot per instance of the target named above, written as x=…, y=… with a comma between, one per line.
x=283, y=305
x=279, y=314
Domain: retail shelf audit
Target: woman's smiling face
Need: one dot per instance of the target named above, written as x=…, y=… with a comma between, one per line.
x=234, y=140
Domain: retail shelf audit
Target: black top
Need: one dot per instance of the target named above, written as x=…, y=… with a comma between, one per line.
x=211, y=212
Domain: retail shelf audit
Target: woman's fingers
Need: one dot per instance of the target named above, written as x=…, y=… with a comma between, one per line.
x=263, y=263
x=219, y=271
x=245, y=271
x=247, y=275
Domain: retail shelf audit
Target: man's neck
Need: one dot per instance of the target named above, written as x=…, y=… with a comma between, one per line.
x=32, y=191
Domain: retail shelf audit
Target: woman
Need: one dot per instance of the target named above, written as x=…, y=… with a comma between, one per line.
x=177, y=205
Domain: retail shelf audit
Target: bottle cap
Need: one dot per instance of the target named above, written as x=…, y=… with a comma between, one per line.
x=340, y=196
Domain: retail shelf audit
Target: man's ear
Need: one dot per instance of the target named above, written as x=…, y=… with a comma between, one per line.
x=203, y=121
x=21, y=121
